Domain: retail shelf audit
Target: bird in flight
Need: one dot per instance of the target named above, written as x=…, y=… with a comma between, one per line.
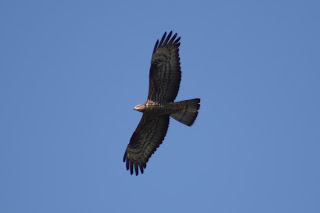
x=164, y=82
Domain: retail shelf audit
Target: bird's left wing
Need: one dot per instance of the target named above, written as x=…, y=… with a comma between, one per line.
x=165, y=72
x=145, y=140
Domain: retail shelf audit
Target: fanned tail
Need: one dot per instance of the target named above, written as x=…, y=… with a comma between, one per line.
x=189, y=111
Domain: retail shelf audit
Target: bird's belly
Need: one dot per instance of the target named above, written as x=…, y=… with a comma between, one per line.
x=160, y=109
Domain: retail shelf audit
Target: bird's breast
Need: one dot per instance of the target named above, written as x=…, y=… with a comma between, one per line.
x=160, y=108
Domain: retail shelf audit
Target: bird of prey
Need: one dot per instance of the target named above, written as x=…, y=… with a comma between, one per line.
x=164, y=82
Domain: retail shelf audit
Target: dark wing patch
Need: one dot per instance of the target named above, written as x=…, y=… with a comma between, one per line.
x=145, y=140
x=165, y=71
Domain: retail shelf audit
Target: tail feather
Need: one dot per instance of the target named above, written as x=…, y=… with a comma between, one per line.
x=189, y=111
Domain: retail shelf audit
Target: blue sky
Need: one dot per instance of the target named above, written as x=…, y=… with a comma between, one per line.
x=72, y=71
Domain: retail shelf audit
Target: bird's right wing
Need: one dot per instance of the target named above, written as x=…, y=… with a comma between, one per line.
x=145, y=140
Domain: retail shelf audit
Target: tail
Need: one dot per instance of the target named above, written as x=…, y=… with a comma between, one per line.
x=189, y=111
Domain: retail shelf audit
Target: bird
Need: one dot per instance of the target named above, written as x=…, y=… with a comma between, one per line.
x=164, y=83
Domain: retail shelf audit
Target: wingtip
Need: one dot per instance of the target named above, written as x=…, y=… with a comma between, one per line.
x=124, y=156
x=162, y=39
x=131, y=168
x=167, y=39
x=136, y=169
x=156, y=46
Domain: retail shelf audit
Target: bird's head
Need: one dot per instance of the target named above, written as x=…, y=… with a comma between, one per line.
x=140, y=107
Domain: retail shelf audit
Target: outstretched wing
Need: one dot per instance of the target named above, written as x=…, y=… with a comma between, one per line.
x=165, y=72
x=145, y=140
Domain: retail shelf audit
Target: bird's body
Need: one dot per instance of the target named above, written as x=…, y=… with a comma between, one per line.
x=164, y=82
x=167, y=108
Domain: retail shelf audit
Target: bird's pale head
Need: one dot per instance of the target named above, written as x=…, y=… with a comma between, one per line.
x=140, y=107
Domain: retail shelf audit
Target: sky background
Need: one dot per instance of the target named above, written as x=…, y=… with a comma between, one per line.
x=72, y=71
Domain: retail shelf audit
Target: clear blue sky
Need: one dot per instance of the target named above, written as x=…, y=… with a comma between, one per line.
x=72, y=71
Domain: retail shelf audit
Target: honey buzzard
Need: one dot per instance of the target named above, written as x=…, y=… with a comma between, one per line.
x=164, y=82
